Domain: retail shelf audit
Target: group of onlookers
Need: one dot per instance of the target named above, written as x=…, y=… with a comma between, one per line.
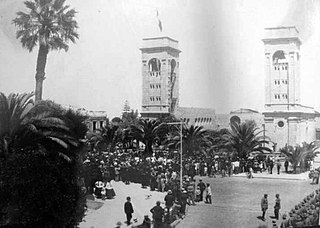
x=304, y=214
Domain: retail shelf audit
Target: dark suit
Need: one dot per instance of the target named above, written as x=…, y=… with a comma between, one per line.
x=157, y=214
x=128, y=209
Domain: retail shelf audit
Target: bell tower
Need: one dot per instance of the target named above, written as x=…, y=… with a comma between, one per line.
x=160, y=76
x=282, y=68
x=286, y=121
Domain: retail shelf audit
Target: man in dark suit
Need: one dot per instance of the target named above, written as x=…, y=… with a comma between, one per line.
x=157, y=214
x=202, y=188
x=128, y=209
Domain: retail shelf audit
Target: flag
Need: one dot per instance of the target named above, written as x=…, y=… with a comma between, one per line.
x=159, y=21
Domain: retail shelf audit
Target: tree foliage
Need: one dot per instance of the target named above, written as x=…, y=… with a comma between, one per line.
x=40, y=158
x=300, y=154
x=246, y=138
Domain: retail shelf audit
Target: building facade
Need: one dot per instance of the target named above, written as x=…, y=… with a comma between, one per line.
x=160, y=76
x=286, y=120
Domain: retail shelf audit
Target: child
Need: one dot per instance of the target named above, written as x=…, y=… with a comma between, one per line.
x=209, y=194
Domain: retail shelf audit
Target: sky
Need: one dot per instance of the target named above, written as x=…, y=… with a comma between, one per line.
x=221, y=63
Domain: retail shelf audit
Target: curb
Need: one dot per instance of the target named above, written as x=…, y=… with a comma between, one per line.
x=175, y=223
x=274, y=178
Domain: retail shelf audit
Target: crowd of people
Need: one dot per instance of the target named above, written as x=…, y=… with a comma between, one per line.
x=162, y=174
x=304, y=214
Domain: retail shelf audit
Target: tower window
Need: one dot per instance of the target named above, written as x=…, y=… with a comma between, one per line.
x=154, y=65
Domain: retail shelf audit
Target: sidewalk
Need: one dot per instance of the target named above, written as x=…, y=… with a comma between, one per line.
x=274, y=175
x=112, y=210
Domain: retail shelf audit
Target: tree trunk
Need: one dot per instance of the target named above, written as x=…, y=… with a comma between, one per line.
x=41, y=65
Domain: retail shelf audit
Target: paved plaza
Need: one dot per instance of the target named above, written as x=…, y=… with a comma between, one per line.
x=112, y=210
x=236, y=200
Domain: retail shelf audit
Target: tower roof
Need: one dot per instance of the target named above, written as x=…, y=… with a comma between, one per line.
x=280, y=34
x=160, y=42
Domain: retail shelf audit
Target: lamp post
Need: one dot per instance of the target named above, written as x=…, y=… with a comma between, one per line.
x=180, y=123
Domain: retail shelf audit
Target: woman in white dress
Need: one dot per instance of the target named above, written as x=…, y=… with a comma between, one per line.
x=109, y=190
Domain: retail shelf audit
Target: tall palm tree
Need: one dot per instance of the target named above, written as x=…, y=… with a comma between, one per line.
x=246, y=138
x=49, y=24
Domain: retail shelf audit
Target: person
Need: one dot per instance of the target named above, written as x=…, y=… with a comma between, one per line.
x=202, y=188
x=157, y=215
x=209, y=194
x=169, y=199
x=190, y=189
x=285, y=222
x=128, y=210
x=271, y=166
x=198, y=194
x=278, y=166
x=264, y=205
x=277, y=207
x=183, y=199
x=286, y=165
x=274, y=224
x=98, y=189
x=146, y=222
x=250, y=173
x=118, y=225
x=109, y=190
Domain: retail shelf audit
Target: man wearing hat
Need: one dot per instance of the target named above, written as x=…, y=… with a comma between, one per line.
x=264, y=205
x=128, y=210
x=202, y=187
x=169, y=199
x=146, y=222
x=157, y=215
x=183, y=199
x=277, y=207
x=285, y=222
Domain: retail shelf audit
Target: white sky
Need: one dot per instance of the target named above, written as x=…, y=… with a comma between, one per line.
x=221, y=64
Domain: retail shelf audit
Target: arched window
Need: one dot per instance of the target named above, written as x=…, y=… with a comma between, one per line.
x=279, y=57
x=154, y=65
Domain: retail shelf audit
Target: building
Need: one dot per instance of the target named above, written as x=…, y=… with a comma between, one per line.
x=160, y=76
x=96, y=119
x=160, y=84
x=286, y=120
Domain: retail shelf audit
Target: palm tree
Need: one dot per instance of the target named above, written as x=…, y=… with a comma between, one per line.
x=22, y=127
x=294, y=155
x=300, y=154
x=40, y=149
x=195, y=139
x=49, y=24
x=106, y=138
x=246, y=138
x=147, y=133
